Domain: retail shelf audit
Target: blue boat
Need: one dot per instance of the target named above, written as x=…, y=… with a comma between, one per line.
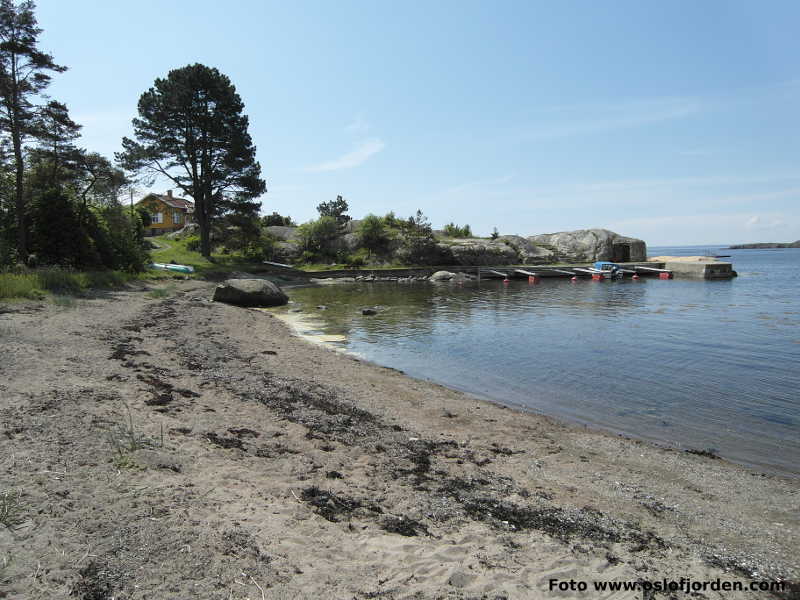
x=608, y=269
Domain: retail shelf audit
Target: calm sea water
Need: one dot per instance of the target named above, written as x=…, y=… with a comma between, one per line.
x=692, y=364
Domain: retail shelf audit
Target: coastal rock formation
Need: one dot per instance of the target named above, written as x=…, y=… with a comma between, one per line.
x=527, y=251
x=288, y=248
x=591, y=245
x=283, y=233
x=579, y=246
x=476, y=251
x=761, y=245
x=250, y=292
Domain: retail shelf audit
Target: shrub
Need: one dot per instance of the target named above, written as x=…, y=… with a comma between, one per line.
x=276, y=219
x=34, y=284
x=318, y=237
x=453, y=230
x=373, y=235
x=20, y=285
x=57, y=236
x=392, y=222
x=358, y=258
x=419, y=246
x=193, y=243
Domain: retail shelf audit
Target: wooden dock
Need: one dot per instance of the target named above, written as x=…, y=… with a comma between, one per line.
x=534, y=272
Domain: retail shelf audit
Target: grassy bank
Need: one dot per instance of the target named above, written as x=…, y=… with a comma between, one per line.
x=39, y=283
x=176, y=251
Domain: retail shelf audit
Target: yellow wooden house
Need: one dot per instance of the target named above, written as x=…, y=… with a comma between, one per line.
x=167, y=212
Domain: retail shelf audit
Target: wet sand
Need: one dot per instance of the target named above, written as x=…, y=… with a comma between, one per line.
x=177, y=448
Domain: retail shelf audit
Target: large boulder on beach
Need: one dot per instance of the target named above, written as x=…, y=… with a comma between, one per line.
x=249, y=292
x=591, y=245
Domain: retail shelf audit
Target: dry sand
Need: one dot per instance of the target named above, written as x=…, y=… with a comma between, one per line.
x=176, y=448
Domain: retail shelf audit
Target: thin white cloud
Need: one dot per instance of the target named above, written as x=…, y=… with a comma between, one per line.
x=362, y=153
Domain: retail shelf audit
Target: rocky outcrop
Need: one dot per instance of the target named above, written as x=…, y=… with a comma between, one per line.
x=249, y=292
x=527, y=252
x=282, y=233
x=475, y=251
x=505, y=250
x=591, y=245
x=185, y=231
x=288, y=247
x=583, y=245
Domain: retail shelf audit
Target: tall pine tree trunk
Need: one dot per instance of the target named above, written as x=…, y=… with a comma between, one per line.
x=19, y=197
x=204, y=223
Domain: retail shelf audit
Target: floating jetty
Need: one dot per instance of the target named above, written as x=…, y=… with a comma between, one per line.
x=668, y=270
x=534, y=273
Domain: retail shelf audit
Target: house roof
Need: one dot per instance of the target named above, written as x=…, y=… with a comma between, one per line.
x=174, y=202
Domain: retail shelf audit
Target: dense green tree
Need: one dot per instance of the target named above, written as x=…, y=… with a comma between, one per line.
x=372, y=234
x=419, y=245
x=57, y=237
x=106, y=237
x=337, y=209
x=122, y=235
x=8, y=237
x=56, y=133
x=24, y=75
x=192, y=130
x=319, y=237
x=276, y=219
x=99, y=182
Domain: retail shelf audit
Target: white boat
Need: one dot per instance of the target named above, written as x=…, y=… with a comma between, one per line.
x=172, y=267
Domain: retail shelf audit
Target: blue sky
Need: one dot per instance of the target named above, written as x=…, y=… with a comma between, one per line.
x=677, y=122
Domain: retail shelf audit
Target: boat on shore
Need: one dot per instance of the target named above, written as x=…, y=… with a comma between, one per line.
x=172, y=267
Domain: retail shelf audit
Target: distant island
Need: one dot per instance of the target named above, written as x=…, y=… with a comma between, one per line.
x=765, y=245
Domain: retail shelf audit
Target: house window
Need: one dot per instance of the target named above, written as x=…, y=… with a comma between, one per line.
x=177, y=217
x=158, y=217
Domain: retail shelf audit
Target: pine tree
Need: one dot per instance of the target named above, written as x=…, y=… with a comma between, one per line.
x=56, y=133
x=24, y=75
x=192, y=130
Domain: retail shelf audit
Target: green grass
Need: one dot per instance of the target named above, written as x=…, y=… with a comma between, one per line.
x=175, y=251
x=164, y=292
x=40, y=283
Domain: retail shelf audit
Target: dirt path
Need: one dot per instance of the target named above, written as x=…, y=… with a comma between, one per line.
x=175, y=448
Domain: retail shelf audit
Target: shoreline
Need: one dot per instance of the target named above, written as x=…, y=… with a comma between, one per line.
x=322, y=475
x=296, y=321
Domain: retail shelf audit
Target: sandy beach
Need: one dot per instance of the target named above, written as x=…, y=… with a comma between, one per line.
x=177, y=448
